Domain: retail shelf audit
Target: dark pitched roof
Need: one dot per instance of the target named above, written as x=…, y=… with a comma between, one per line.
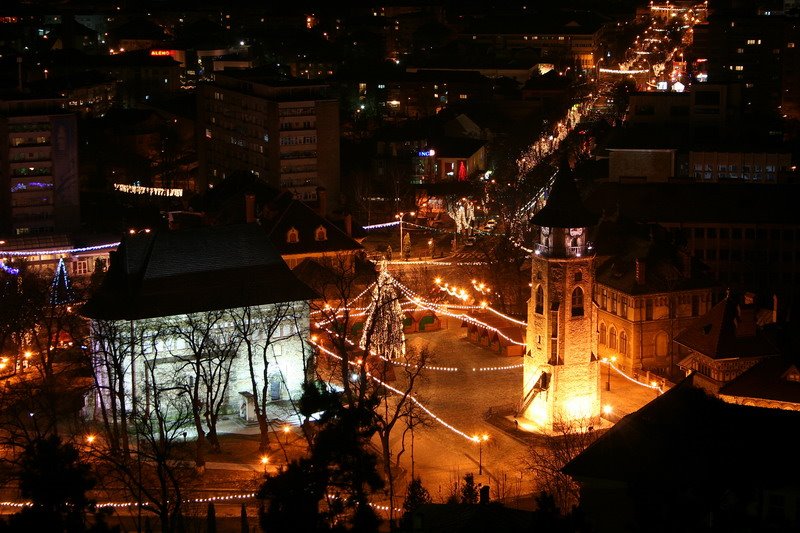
x=728, y=330
x=625, y=243
x=305, y=220
x=564, y=207
x=194, y=270
x=688, y=439
x=774, y=378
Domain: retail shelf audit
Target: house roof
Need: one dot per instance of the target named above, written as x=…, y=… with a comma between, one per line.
x=305, y=220
x=625, y=243
x=773, y=378
x=728, y=330
x=200, y=269
x=564, y=207
x=687, y=437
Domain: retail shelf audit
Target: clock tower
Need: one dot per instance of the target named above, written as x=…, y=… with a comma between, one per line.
x=561, y=383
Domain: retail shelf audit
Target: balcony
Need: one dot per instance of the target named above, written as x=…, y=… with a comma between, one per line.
x=556, y=251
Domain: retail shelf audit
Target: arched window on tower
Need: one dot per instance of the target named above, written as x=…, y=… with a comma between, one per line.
x=539, y=301
x=623, y=342
x=601, y=334
x=321, y=234
x=292, y=236
x=577, y=302
x=612, y=338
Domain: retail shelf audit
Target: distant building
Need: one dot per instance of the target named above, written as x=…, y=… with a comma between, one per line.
x=746, y=233
x=39, y=188
x=646, y=291
x=285, y=132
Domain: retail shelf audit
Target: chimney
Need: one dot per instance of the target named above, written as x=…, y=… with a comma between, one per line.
x=250, y=208
x=348, y=224
x=640, y=271
x=322, y=196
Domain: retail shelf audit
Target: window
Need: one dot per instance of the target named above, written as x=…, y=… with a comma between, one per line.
x=612, y=338
x=604, y=299
x=648, y=309
x=292, y=236
x=578, y=276
x=577, y=302
x=624, y=307
x=623, y=342
x=539, y=302
x=614, y=302
x=601, y=334
x=321, y=234
x=81, y=267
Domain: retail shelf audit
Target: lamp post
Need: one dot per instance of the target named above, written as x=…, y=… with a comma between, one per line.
x=399, y=216
x=480, y=440
x=286, y=430
x=264, y=461
x=609, y=362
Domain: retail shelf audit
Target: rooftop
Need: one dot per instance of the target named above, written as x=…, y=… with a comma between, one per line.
x=167, y=273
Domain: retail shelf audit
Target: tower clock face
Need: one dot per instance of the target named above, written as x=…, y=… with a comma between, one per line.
x=576, y=232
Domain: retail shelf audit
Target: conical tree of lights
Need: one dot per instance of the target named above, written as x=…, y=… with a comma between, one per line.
x=61, y=287
x=383, y=328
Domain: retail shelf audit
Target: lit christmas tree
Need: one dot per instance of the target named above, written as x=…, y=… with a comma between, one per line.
x=383, y=329
x=61, y=288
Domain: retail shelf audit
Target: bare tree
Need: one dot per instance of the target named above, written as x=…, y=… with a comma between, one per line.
x=111, y=358
x=197, y=333
x=155, y=472
x=548, y=455
x=259, y=328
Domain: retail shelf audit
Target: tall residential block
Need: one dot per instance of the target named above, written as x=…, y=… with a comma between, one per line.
x=39, y=188
x=285, y=132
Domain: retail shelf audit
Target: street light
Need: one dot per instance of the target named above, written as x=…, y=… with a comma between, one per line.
x=399, y=216
x=90, y=439
x=480, y=440
x=286, y=430
x=609, y=362
x=264, y=461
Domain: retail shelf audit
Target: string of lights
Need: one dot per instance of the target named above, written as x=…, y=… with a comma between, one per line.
x=652, y=385
x=384, y=225
x=26, y=253
x=396, y=391
x=229, y=497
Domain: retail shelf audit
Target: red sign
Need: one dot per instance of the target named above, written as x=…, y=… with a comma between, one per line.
x=161, y=52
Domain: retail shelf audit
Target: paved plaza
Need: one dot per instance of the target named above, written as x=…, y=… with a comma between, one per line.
x=467, y=399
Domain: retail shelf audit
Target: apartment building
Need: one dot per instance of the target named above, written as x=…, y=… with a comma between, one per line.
x=284, y=131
